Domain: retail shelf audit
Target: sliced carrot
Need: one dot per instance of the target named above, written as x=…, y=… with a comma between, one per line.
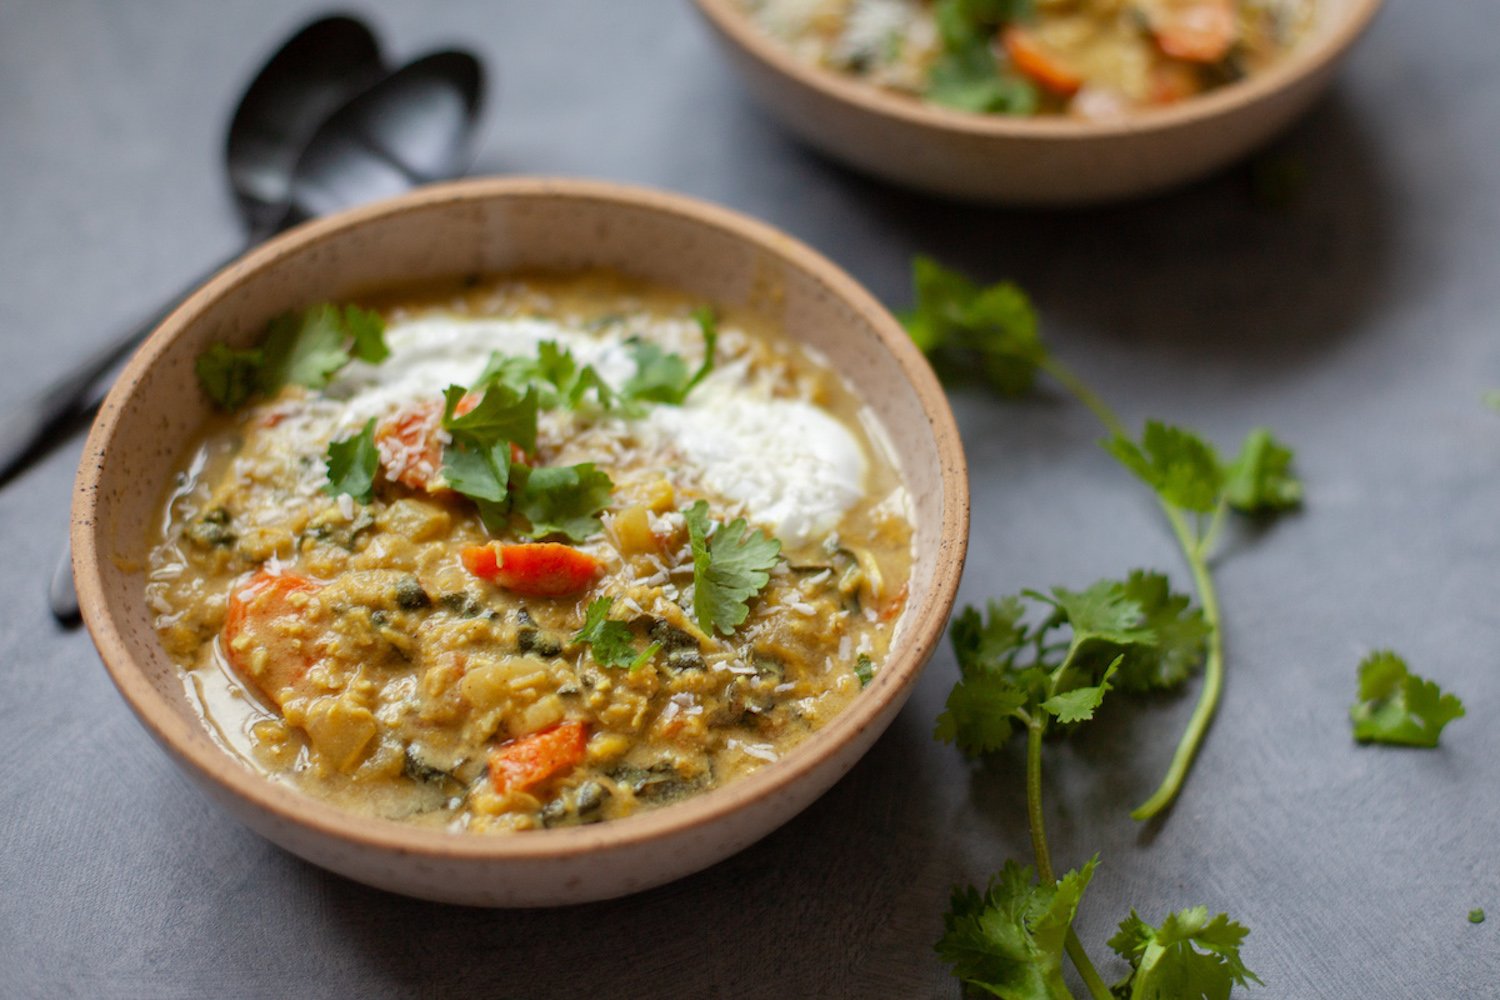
x=544, y=569
x=411, y=445
x=1035, y=60
x=1196, y=30
x=893, y=608
x=264, y=633
x=522, y=764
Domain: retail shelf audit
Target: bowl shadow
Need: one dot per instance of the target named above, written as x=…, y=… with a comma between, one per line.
x=1262, y=266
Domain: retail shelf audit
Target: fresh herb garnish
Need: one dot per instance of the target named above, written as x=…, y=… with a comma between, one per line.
x=227, y=376
x=1396, y=706
x=611, y=643
x=864, y=669
x=993, y=332
x=1189, y=955
x=661, y=377
x=731, y=564
x=502, y=414
x=554, y=374
x=1476, y=915
x=1009, y=940
x=967, y=76
x=562, y=500
x=305, y=348
x=352, y=462
x=1133, y=634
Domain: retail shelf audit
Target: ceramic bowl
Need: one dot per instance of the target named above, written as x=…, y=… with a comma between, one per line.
x=151, y=418
x=1043, y=160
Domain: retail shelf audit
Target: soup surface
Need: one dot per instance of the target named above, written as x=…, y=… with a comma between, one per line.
x=558, y=550
x=1091, y=58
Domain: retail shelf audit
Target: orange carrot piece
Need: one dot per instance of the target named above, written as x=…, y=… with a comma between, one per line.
x=263, y=616
x=524, y=763
x=543, y=569
x=1034, y=60
x=1199, y=31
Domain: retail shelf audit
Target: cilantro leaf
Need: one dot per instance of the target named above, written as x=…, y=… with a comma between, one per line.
x=1260, y=479
x=1180, y=466
x=1398, y=707
x=981, y=711
x=1102, y=612
x=228, y=376
x=864, y=669
x=554, y=373
x=1188, y=957
x=969, y=79
x=1080, y=703
x=1008, y=940
x=352, y=463
x=502, y=414
x=304, y=348
x=562, y=500
x=478, y=473
x=729, y=568
x=661, y=377
x=611, y=643
x=984, y=706
x=963, y=328
x=367, y=329
x=1180, y=630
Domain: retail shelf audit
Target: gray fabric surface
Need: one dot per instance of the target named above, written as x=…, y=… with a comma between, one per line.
x=1361, y=323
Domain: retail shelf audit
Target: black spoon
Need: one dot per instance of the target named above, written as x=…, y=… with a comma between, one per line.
x=317, y=70
x=414, y=126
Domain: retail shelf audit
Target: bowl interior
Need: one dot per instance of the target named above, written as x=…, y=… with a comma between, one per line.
x=155, y=412
x=1335, y=25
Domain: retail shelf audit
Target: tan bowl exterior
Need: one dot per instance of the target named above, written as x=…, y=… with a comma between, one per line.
x=1037, y=161
x=153, y=415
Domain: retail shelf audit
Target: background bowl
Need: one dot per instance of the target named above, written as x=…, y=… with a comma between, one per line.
x=1041, y=160
x=152, y=417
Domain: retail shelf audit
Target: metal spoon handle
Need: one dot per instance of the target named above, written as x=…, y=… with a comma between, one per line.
x=62, y=599
x=28, y=423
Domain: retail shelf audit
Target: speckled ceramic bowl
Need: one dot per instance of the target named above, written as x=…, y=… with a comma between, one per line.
x=153, y=415
x=1044, y=160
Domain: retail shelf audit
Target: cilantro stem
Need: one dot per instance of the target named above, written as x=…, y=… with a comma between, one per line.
x=1213, y=669
x=1036, y=728
x=1195, y=550
x=1066, y=377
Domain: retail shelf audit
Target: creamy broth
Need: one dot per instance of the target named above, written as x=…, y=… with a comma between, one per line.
x=367, y=652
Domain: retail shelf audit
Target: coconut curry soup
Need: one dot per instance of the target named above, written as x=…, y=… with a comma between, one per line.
x=535, y=552
x=1095, y=59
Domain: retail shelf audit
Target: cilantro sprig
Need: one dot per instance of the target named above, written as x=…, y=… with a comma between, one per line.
x=478, y=463
x=306, y=348
x=993, y=332
x=1009, y=939
x=352, y=463
x=554, y=373
x=1398, y=707
x=1189, y=955
x=731, y=565
x=1035, y=659
x=611, y=642
x=967, y=76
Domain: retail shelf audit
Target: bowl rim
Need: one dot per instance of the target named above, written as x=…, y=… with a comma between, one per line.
x=1301, y=63
x=188, y=740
